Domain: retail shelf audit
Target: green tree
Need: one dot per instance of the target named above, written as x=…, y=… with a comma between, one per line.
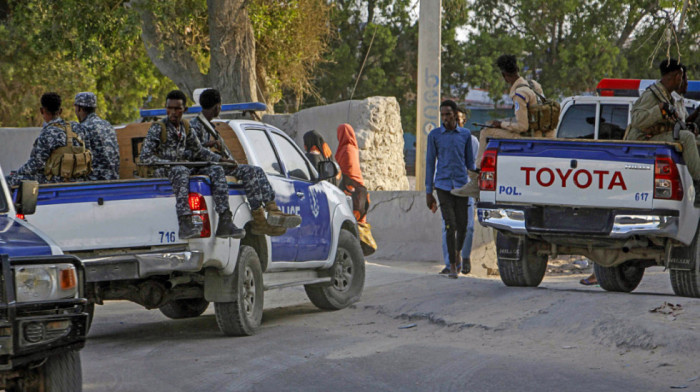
x=131, y=52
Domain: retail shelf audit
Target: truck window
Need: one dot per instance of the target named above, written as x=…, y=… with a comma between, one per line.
x=263, y=150
x=292, y=158
x=613, y=121
x=578, y=122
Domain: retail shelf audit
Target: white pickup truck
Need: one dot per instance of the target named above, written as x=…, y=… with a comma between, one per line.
x=125, y=232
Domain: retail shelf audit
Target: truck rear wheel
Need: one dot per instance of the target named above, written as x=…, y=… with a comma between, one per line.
x=243, y=316
x=62, y=373
x=518, y=261
x=184, y=308
x=347, y=276
x=622, y=278
x=686, y=280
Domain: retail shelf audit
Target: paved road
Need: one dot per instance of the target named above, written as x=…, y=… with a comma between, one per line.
x=413, y=331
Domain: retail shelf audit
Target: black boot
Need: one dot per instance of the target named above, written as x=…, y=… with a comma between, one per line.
x=226, y=228
x=187, y=228
x=697, y=193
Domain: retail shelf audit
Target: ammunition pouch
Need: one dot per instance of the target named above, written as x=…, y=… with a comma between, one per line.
x=69, y=161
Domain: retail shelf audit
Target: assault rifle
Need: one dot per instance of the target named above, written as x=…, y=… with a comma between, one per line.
x=189, y=164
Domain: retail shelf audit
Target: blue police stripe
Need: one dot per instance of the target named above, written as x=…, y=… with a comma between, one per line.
x=127, y=190
x=233, y=107
x=19, y=240
x=614, y=152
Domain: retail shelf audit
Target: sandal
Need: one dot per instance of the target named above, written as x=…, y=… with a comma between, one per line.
x=587, y=282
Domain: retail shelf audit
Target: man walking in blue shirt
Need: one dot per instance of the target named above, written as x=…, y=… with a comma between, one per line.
x=450, y=146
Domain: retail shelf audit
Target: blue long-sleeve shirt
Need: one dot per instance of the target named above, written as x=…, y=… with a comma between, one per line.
x=454, y=154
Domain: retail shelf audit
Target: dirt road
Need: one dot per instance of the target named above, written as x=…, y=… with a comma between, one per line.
x=414, y=331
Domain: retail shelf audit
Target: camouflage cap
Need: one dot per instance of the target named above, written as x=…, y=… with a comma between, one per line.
x=86, y=99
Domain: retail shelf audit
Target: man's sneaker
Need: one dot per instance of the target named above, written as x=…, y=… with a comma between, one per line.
x=445, y=271
x=226, y=228
x=187, y=228
x=466, y=266
x=276, y=217
x=470, y=189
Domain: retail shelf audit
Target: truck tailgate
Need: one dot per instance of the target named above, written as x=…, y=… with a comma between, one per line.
x=609, y=175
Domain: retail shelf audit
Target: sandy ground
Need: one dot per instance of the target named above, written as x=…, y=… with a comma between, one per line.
x=415, y=330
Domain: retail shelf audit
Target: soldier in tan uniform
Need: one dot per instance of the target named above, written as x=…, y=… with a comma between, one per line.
x=653, y=116
x=521, y=91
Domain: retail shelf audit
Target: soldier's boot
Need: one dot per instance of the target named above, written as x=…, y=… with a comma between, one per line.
x=187, y=228
x=260, y=226
x=275, y=217
x=226, y=228
x=470, y=189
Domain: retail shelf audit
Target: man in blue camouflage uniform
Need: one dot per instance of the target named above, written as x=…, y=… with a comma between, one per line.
x=99, y=137
x=259, y=192
x=52, y=136
x=180, y=146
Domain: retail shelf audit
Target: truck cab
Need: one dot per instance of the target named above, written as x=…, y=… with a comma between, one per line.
x=43, y=322
x=605, y=116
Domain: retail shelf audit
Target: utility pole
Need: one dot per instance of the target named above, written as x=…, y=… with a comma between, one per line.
x=429, y=64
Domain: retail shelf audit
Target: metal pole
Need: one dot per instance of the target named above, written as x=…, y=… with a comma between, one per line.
x=428, y=100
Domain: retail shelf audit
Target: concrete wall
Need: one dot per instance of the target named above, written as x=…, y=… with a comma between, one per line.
x=16, y=144
x=405, y=229
x=377, y=125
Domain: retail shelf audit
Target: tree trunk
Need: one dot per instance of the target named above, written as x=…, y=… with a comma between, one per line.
x=171, y=57
x=232, y=66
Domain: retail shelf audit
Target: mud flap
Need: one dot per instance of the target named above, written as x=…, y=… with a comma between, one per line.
x=509, y=248
x=681, y=258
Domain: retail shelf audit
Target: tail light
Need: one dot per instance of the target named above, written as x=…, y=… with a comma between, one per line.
x=667, y=180
x=200, y=215
x=487, y=179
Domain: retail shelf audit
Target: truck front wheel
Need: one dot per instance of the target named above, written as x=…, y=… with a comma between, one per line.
x=184, y=308
x=243, y=316
x=518, y=261
x=347, y=276
x=62, y=373
x=622, y=278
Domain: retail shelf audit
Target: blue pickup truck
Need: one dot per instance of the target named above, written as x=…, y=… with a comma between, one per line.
x=42, y=305
x=625, y=205
x=125, y=232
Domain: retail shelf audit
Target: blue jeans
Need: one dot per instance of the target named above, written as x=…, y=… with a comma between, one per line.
x=467, y=247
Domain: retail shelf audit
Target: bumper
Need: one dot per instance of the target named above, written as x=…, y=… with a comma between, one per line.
x=616, y=224
x=137, y=266
x=32, y=331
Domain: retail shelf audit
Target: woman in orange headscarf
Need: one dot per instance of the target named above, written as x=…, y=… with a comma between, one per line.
x=352, y=183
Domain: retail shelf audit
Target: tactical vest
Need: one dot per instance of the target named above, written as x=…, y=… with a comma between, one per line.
x=542, y=116
x=69, y=161
x=148, y=171
x=662, y=126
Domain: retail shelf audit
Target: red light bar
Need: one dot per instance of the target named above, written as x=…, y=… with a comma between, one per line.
x=618, y=87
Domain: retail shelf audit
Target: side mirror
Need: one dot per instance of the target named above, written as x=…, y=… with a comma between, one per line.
x=28, y=193
x=326, y=170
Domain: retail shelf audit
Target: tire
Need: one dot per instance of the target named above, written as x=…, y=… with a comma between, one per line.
x=243, y=316
x=518, y=262
x=686, y=282
x=184, y=308
x=62, y=373
x=347, y=277
x=622, y=278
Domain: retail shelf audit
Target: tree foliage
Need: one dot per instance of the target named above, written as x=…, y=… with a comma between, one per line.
x=130, y=53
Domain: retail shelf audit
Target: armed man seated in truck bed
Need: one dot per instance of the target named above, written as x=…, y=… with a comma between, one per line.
x=654, y=118
x=59, y=154
x=181, y=145
x=259, y=192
